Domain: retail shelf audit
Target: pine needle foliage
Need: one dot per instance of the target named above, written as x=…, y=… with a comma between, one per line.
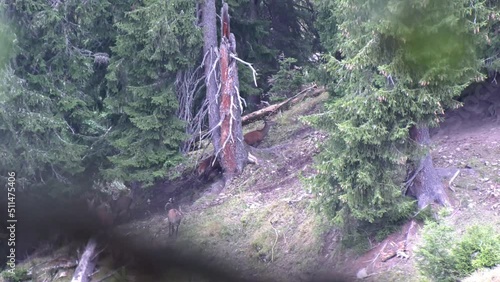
x=276, y=27
x=444, y=256
x=50, y=120
x=401, y=64
x=156, y=39
x=287, y=81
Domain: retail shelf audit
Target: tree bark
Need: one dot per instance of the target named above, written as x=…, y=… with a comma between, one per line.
x=86, y=265
x=312, y=91
x=234, y=155
x=210, y=50
x=426, y=185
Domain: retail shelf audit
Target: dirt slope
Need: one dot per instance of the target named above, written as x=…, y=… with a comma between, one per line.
x=467, y=143
x=261, y=225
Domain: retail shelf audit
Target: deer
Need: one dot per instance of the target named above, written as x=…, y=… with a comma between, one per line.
x=208, y=166
x=103, y=213
x=121, y=207
x=174, y=217
x=254, y=138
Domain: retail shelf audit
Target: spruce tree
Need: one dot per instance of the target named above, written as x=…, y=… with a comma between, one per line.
x=156, y=40
x=51, y=124
x=401, y=65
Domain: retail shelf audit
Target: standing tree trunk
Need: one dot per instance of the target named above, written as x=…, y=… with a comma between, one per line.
x=210, y=50
x=254, y=7
x=426, y=185
x=234, y=155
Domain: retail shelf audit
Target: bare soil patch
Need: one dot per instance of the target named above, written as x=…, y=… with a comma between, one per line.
x=262, y=227
x=467, y=142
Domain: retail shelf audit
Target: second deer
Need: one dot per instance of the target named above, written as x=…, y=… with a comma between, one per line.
x=121, y=207
x=254, y=138
x=208, y=167
x=109, y=214
x=174, y=217
x=102, y=212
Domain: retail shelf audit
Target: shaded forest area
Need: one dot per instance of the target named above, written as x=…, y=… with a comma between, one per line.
x=115, y=111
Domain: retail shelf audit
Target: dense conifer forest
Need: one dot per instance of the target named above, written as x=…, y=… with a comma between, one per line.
x=121, y=108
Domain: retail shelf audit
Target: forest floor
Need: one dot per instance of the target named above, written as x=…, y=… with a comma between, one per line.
x=467, y=143
x=262, y=227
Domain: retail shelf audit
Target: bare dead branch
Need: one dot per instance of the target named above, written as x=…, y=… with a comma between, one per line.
x=188, y=86
x=253, y=159
x=275, y=241
x=453, y=178
x=254, y=72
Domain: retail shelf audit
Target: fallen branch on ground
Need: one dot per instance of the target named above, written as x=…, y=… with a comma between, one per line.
x=86, y=264
x=453, y=178
x=288, y=102
x=275, y=241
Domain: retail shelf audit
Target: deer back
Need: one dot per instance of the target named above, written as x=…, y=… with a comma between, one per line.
x=104, y=215
x=253, y=138
x=204, y=165
x=174, y=216
x=122, y=205
x=207, y=166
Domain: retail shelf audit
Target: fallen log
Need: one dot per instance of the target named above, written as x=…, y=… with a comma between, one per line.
x=86, y=264
x=311, y=91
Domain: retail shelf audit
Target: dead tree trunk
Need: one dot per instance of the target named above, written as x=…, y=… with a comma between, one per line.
x=86, y=265
x=425, y=184
x=233, y=151
x=210, y=50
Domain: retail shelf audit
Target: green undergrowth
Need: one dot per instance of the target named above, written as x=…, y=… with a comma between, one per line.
x=16, y=275
x=445, y=255
x=265, y=237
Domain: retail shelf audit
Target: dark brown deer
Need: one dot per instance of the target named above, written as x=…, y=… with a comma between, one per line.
x=102, y=212
x=105, y=215
x=207, y=168
x=121, y=207
x=254, y=138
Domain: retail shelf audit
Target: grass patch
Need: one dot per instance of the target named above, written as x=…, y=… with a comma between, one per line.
x=444, y=256
x=18, y=275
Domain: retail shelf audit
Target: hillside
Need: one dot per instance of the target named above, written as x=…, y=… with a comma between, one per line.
x=261, y=227
x=467, y=143
x=261, y=222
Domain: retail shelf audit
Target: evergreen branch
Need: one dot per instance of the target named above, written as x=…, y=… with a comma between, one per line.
x=58, y=176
